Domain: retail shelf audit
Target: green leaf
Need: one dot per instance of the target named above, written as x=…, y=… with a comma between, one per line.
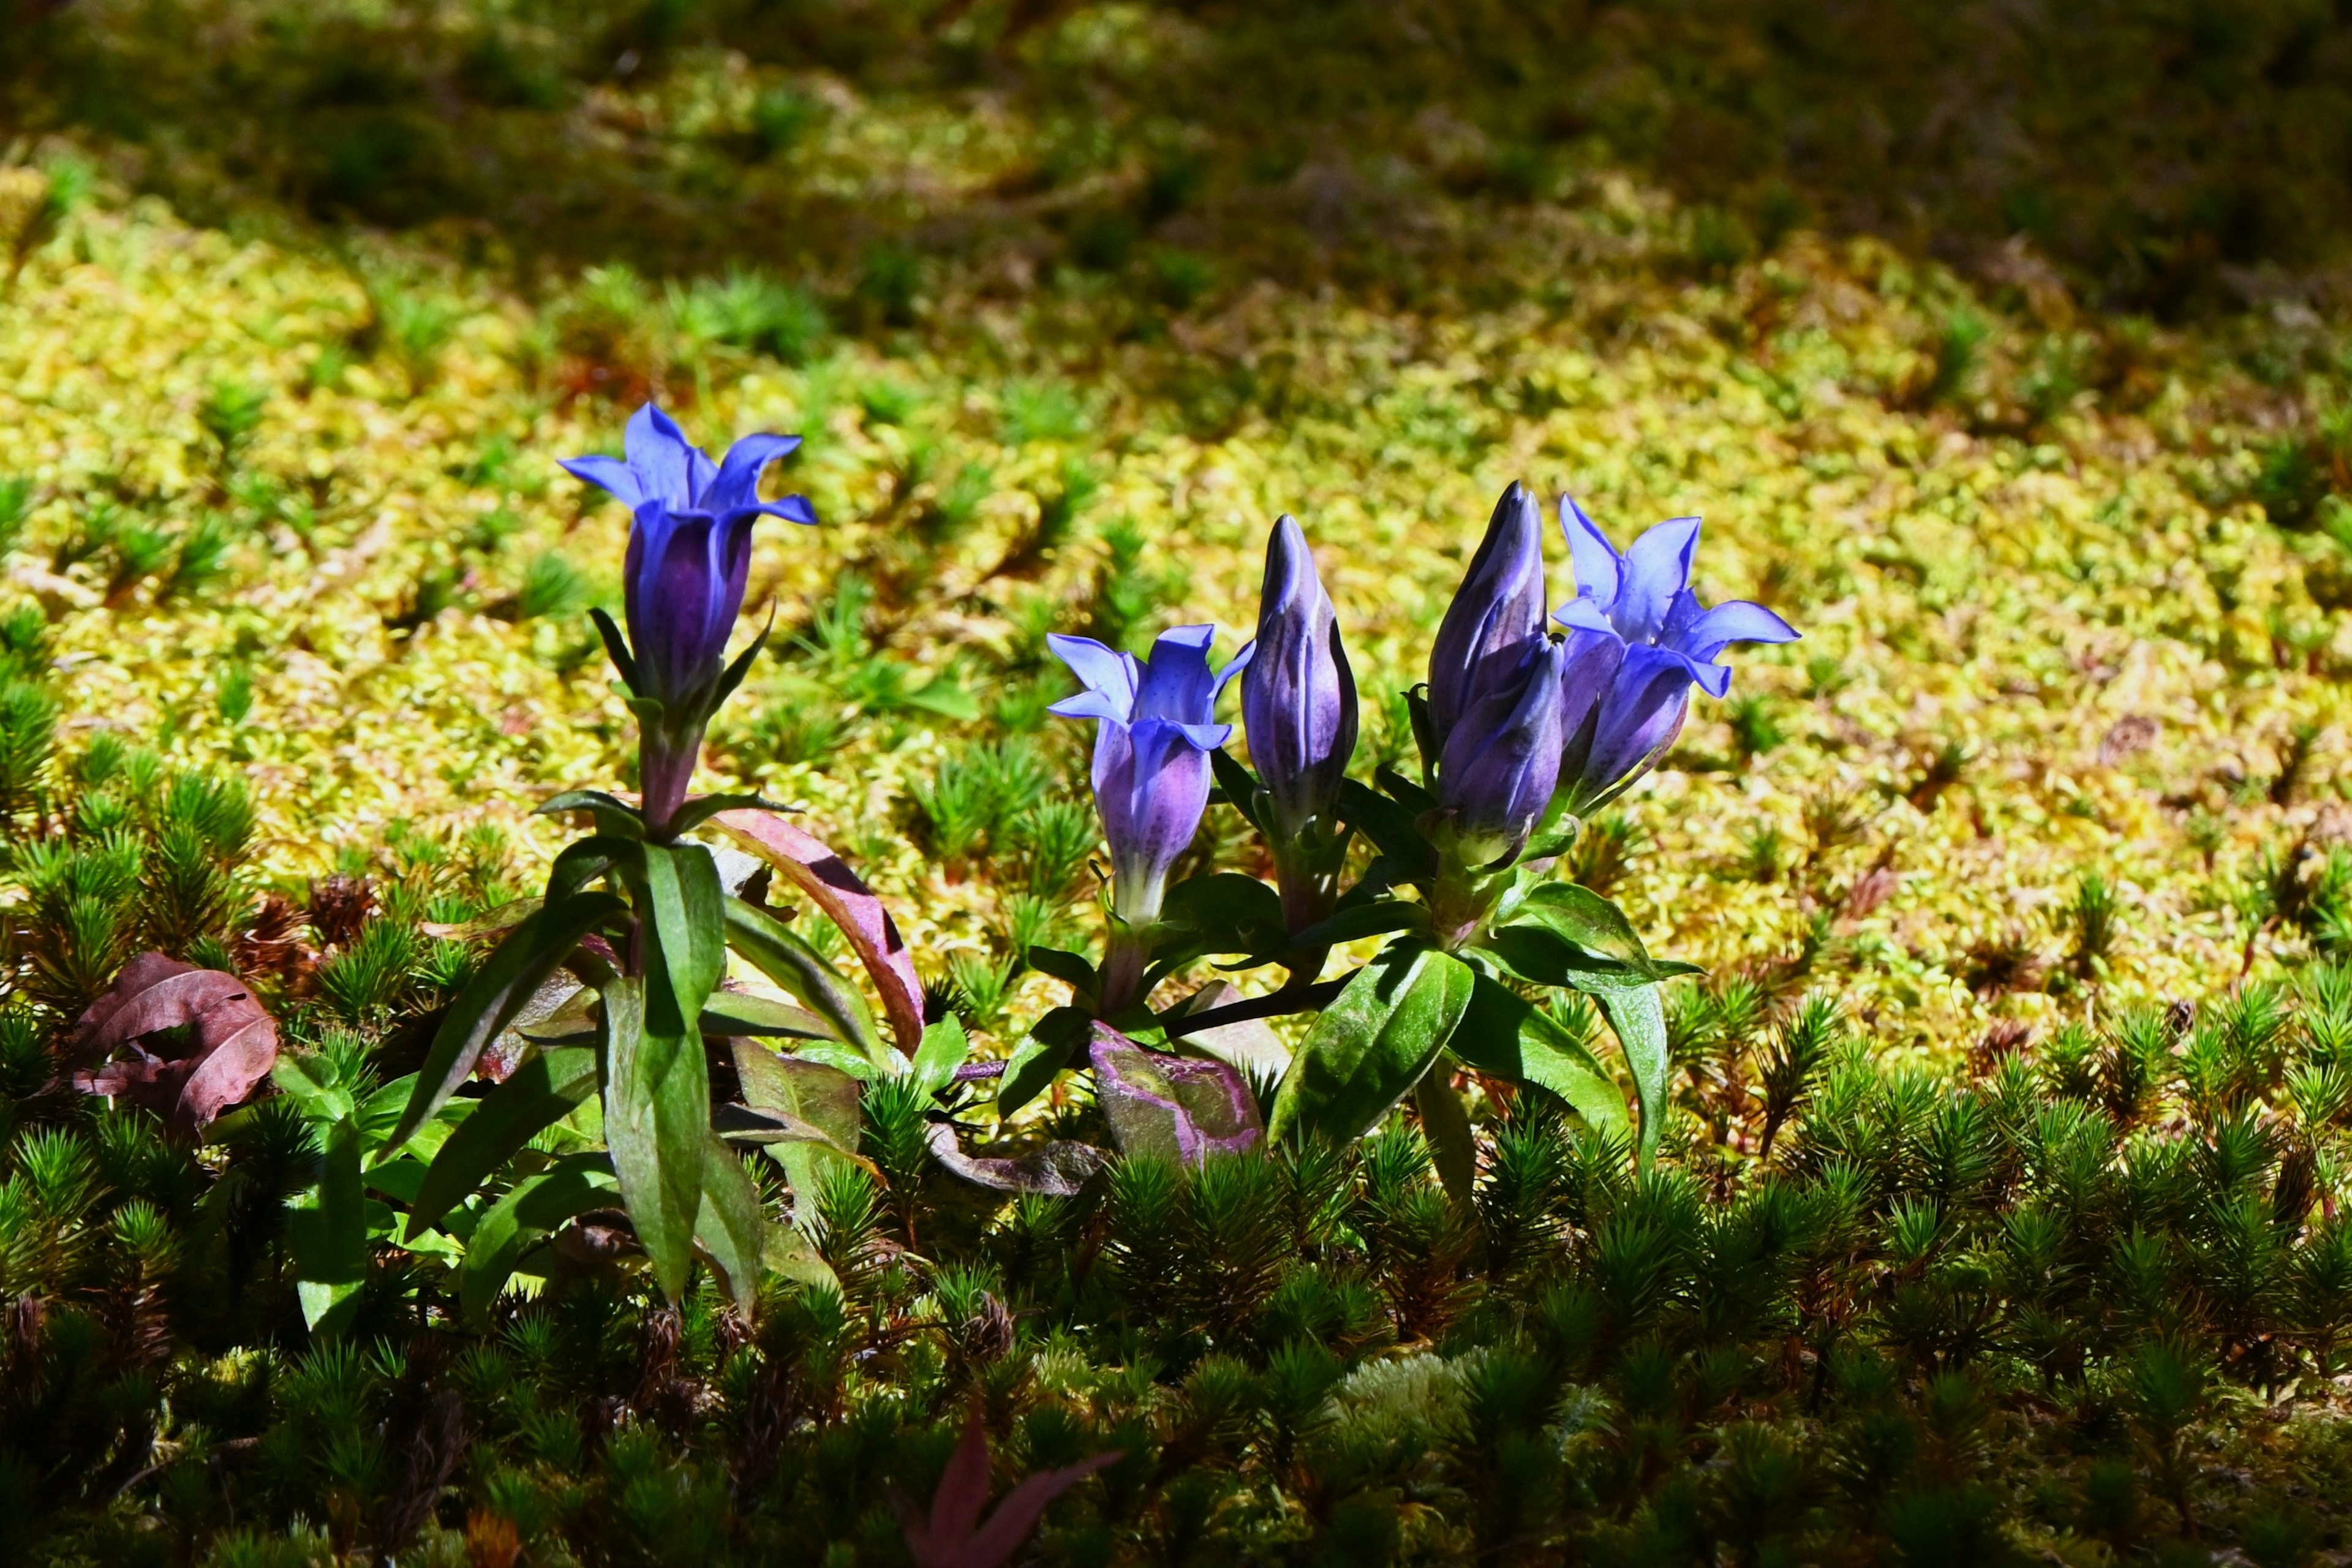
x=1071, y=969
x=944, y=1050
x=586, y=861
x=536, y=1206
x=543, y=1092
x=327, y=1236
x=1638, y=1017
x=614, y=817
x=1041, y=1058
x=1373, y=1043
x=1445, y=1123
x=731, y=1012
x=1588, y=925
x=1507, y=1037
x=1240, y=785
x=1405, y=792
x=318, y=1101
x=657, y=1119
x=495, y=995
x=1226, y=912
x=617, y=647
x=1389, y=825
x=685, y=916
x=1357, y=922
x=818, y=1096
x=732, y=675
x=731, y=1226
x=795, y=966
x=703, y=807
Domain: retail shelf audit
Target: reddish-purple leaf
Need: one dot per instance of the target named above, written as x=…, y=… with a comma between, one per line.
x=827, y=880
x=953, y=1536
x=232, y=1047
x=963, y=1489
x=1174, y=1108
x=1058, y=1169
x=1018, y=1514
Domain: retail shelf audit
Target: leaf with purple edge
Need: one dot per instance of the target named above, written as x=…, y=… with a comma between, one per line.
x=827, y=881
x=1172, y=1108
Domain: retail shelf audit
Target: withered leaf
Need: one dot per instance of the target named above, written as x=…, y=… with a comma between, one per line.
x=232, y=1045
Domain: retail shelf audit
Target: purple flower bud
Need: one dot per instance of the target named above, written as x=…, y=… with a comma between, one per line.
x=1640, y=602
x=1502, y=759
x=1496, y=617
x=1298, y=700
x=689, y=556
x=1158, y=726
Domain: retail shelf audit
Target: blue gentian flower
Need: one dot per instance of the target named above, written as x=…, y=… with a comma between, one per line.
x=1640, y=641
x=1152, y=773
x=1502, y=758
x=688, y=558
x=1496, y=618
x=1298, y=703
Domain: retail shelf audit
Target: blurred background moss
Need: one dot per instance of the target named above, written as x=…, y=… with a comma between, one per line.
x=2169, y=157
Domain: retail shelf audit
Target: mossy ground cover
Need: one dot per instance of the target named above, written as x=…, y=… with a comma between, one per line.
x=2035, y=1269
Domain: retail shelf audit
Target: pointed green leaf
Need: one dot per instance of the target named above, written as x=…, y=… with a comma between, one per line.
x=1041, y=1058
x=328, y=1234
x=1071, y=969
x=1376, y=918
x=1505, y=1036
x=1636, y=1013
x=542, y=1092
x=1405, y=792
x=731, y=1226
x=1445, y=1123
x=1226, y=911
x=819, y=1096
x=1389, y=825
x=536, y=1206
x=791, y=963
x=1373, y=1043
x=1240, y=787
x=684, y=910
x=614, y=817
x=617, y=647
x=731, y=1012
x=657, y=1118
x=495, y=995
x=1588, y=926
x=703, y=807
x=944, y=1050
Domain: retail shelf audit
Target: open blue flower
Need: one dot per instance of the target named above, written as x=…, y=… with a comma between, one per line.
x=688, y=558
x=1635, y=617
x=1151, y=773
x=690, y=552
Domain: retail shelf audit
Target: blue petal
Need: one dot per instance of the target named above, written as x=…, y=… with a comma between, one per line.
x=1208, y=737
x=1599, y=570
x=1497, y=617
x=1734, y=620
x=1098, y=669
x=1657, y=567
x=1639, y=717
x=1091, y=705
x=608, y=474
x=1586, y=614
x=1588, y=668
x=667, y=463
x=1233, y=667
x=791, y=509
x=737, y=487
x=1176, y=684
